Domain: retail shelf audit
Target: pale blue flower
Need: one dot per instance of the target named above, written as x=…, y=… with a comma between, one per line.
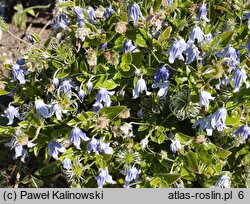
x=132, y=174
x=238, y=77
x=76, y=136
x=202, y=13
x=248, y=47
x=139, y=88
x=93, y=145
x=79, y=12
x=104, y=177
x=243, y=131
x=109, y=12
x=66, y=87
x=103, y=95
x=175, y=146
x=56, y=82
x=67, y=164
x=12, y=112
x=134, y=13
x=161, y=75
x=97, y=107
x=176, y=50
x=18, y=72
x=231, y=57
x=42, y=109
x=205, y=98
x=81, y=95
x=164, y=86
x=89, y=86
x=60, y=21
x=104, y=46
x=57, y=110
x=218, y=119
x=198, y=34
x=91, y=13
x=170, y=2
x=55, y=148
x=140, y=113
x=104, y=148
x=128, y=46
x=192, y=53
x=204, y=124
x=223, y=182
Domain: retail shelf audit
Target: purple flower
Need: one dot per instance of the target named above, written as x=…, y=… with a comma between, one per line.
x=67, y=164
x=164, y=86
x=104, y=46
x=43, y=109
x=139, y=88
x=134, y=13
x=140, y=113
x=103, y=95
x=79, y=12
x=66, y=87
x=55, y=148
x=239, y=76
x=60, y=21
x=56, y=82
x=202, y=12
x=170, y=2
x=223, y=182
x=81, y=95
x=18, y=72
x=175, y=146
x=231, y=56
x=128, y=46
x=243, y=131
x=76, y=136
x=91, y=13
x=192, y=53
x=176, y=50
x=204, y=123
x=109, y=12
x=105, y=148
x=162, y=73
x=248, y=47
x=12, y=112
x=89, y=86
x=204, y=98
x=93, y=145
x=132, y=174
x=57, y=110
x=198, y=34
x=104, y=177
x=218, y=119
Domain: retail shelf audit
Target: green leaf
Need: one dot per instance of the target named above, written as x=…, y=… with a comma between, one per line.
x=112, y=112
x=157, y=5
x=108, y=84
x=49, y=169
x=3, y=92
x=168, y=177
x=191, y=162
x=127, y=58
x=165, y=34
x=224, y=154
x=226, y=37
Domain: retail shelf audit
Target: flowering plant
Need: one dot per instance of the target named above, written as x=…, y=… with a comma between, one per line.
x=149, y=93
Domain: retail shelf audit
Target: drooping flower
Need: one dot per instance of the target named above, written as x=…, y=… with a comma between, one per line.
x=56, y=82
x=231, y=56
x=134, y=13
x=79, y=12
x=202, y=12
x=161, y=75
x=60, y=21
x=128, y=46
x=81, y=95
x=218, y=119
x=12, y=112
x=18, y=71
x=91, y=13
x=238, y=77
x=170, y=2
x=223, y=182
x=109, y=12
x=43, y=109
x=93, y=145
x=57, y=110
x=67, y=164
x=66, y=87
x=204, y=124
x=140, y=113
x=243, y=131
x=76, y=136
x=192, y=53
x=104, y=177
x=205, y=98
x=139, y=88
x=55, y=148
x=198, y=34
x=175, y=146
x=89, y=86
x=176, y=50
x=103, y=95
x=164, y=86
x=105, y=148
x=132, y=174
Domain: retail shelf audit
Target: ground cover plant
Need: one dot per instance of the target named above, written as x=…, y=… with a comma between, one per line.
x=143, y=94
